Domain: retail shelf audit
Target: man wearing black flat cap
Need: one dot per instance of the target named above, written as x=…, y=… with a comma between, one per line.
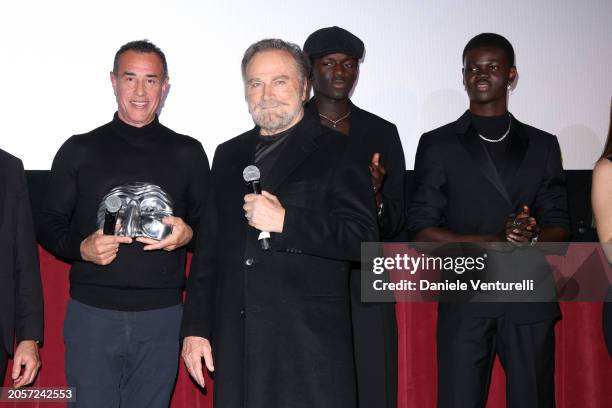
x=335, y=54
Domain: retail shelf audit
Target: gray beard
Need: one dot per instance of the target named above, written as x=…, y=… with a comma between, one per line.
x=276, y=122
x=273, y=124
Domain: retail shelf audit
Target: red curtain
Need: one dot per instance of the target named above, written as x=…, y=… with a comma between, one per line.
x=583, y=371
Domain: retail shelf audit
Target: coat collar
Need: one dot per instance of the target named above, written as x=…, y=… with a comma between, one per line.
x=358, y=123
x=519, y=142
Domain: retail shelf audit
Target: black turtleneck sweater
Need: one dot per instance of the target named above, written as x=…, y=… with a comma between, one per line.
x=85, y=168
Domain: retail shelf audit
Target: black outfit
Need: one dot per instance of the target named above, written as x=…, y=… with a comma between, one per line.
x=21, y=299
x=459, y=188
x=123, y=318
x=279, y=320
x=374, y=324
x=87, y=167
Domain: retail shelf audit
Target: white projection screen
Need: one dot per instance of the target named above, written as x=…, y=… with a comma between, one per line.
x=56, y=59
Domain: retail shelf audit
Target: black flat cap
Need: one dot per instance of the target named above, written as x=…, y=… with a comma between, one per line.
x=331, y=40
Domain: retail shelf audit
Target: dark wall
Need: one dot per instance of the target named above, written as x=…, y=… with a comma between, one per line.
x=578, y=185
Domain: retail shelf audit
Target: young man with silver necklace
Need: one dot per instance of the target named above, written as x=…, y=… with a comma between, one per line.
x=335, y=54
x=489, y=178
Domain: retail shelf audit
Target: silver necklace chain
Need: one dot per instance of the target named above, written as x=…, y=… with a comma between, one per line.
x=335, y=122
x=501, y=138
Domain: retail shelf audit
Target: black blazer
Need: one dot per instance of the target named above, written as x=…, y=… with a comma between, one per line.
x=369, y=134
x=457, y=187
x=280, y=319
x=21, y=300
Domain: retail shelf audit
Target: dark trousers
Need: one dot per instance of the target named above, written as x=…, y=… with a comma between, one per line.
x=121, y=359
x=375, y=348
x=466, y=351
x=3, y=361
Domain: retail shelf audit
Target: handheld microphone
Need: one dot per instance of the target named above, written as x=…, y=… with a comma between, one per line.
x=113, y=205
x=251, y=175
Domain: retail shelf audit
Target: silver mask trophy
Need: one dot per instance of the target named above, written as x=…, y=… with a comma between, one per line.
x=143, y=205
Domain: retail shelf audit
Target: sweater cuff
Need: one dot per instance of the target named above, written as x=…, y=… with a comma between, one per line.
x=73, y=247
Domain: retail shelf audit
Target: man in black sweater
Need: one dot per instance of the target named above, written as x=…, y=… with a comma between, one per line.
x=122, y=324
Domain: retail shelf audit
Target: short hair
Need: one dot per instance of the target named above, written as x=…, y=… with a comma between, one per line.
x=490, y=40
x=143, y=46
x=301, y=61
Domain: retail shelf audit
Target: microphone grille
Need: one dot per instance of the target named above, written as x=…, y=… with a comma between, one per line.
x=112, y=203
x=251, y=173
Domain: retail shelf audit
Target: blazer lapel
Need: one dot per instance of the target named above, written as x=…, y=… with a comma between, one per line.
x=519, y=141
x=359, y=126
x=469, y=139
x=300, y=145
x=363, y=140
x=245, y=154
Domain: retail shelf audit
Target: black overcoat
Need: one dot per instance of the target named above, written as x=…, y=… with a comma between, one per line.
x=279, y=320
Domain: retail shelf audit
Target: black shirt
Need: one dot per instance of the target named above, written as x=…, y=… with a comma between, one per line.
x=267, y=151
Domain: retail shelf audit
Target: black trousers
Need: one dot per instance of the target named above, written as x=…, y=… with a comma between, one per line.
x=375, y=348
x=467, y=347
